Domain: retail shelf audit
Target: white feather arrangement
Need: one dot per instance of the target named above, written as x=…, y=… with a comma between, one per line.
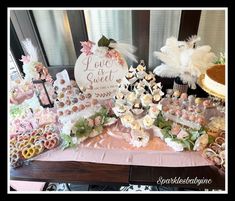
x=182, y=59
x=30, y=49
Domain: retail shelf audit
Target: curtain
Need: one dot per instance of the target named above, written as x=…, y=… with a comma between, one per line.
x=212, y=30
x=55, y=33
x=163, y=24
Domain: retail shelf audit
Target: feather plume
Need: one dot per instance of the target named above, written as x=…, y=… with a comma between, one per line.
x=192, y=40
x=180, y=58
x=30, y=49
x=125, y=49
x=166, y=71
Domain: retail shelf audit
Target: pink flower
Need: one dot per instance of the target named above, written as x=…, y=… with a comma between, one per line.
x=113, y=54
x=25, y=59
x=175, y=129
x=90, y=122
x=98, y=120
x=182, y=134
x=86, y=47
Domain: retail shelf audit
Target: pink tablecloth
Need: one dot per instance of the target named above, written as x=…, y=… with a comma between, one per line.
x=112, y=147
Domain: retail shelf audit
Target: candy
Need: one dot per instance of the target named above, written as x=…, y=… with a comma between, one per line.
x=176, y=93
x=62, y=81
x=74, y=108
x=191, y=117
x=81, y=97
x=184, y=96
x=198, y=101
x=67, y=112
x=81, y=107
x=39, y=147
x=94, y=101
x=185, y=116
x=67, y=102
x=28, y=152
x=178, y=113
x=87, y=104
x=51, y=143
x=206, y=103
x=61, y=104
x=88, y=95
x=200, y=120
x=69, y=87
x=74, y=100
x=61, y=113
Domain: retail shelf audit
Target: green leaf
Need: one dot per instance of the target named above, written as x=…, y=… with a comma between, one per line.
x=186, y=144
x=161, y=122
x=81, y=128
x=103, y=42
x=194, y=135
x=67, y=141
x=99, y=129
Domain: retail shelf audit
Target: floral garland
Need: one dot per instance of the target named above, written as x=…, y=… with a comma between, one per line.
x=109, y=48
x=86, y=127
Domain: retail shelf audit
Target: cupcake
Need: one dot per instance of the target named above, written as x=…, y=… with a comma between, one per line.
x=146, y=100
x=132, y=70
x=119, y=97
x=150, y=78
x=127, y=120
x=140, y=71
x=123, y=88
x=135, y=125
x=131, y=98
x=148, y=121
x=137, y=108
x=156, y=98
x=130, y=77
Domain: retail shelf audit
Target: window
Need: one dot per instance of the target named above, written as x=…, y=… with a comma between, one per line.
x=57, y=33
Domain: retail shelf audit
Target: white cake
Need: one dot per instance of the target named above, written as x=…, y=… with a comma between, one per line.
x=215, y=79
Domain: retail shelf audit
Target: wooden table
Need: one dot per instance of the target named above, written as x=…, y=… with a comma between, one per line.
x=95, y=173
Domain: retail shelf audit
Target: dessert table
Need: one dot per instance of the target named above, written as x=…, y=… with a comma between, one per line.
x=96, y=173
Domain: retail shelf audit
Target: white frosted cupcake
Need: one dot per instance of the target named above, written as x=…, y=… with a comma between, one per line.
x=130, y=77
x=135, y=125
x=149, y=77
x=148, y=121
x=140, y=71
x=139, y=88
x=127, y=120
x=131, y=98
x=137, y=108
x=146, y=100
x=120, y=97
x=132, y=70
x=123, y=88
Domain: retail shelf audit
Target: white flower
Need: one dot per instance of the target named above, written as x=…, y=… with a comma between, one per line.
x=67, y=128
x=127, y=120
x=30, y=71
x=148, y=121
x=139, y=138
x=177, y=146
x=201, y=142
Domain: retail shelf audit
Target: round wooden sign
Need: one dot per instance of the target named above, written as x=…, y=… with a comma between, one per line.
x=99, y=75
